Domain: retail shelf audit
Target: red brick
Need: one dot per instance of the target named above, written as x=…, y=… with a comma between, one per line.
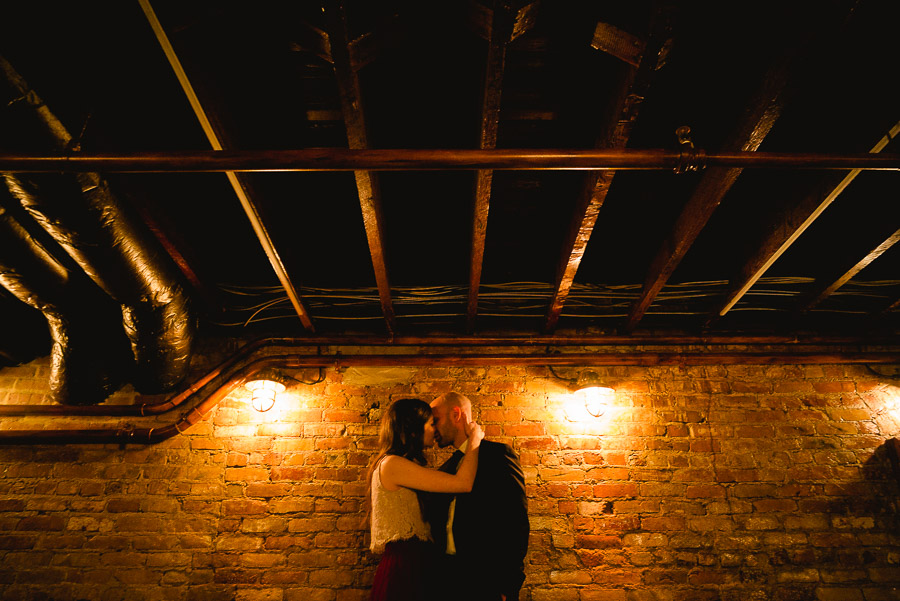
x=558, y=490
x=243, y=507
x=137, y=523
x=293, y=473
x=348, y=474
x=592, y=541
x=290, y=578
x=343, y=416
x=840, y=594
x=11, y=505
x=17, y=541
x=123, y=505
x=705, y=491
x=42, y=522
x=662, y=524
x=609, y=473
x=246, y=474
x=291, y=505
x=108, y=542
x=834, y=387
x=264, y=489
x=545, y=443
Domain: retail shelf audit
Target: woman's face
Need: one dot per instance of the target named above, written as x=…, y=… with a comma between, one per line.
x=428, y=438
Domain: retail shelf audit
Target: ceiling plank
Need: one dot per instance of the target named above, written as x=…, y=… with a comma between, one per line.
x=479, y=18
x=788, y=227
x=387, y=34
x=830, y=285
x=620, y=44
x=618, y=126
x=312, y=39
x=751, y=129
x=357, y=138
x=240, y=187
x=501, y=30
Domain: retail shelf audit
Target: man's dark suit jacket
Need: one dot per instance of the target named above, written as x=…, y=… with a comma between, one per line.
x=490, y=525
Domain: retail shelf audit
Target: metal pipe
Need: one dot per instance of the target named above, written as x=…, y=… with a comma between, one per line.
x=634, y=340
x=125, y=435
x=223, y=371
x=344, y=159
x=246, y=371
x=788, y=345
x=791, y=346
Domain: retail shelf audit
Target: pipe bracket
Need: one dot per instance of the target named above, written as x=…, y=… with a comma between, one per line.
x=689, y=159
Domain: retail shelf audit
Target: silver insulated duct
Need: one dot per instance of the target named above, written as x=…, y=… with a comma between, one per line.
x=111, y=245
x=89, y=355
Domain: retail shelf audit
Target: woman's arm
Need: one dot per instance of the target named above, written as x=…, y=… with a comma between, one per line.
x=398, y=471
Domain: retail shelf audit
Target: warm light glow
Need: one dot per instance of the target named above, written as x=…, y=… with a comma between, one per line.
x=264, y=393
x=596, y=399
x=890, y=399
x=592, y=395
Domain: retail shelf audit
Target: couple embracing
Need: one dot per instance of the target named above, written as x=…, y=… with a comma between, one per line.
x=457, y=532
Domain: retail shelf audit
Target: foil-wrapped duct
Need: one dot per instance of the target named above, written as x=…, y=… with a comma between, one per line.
x=89, y=357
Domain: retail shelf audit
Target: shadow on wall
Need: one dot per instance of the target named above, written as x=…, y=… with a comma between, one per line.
x=882, y=499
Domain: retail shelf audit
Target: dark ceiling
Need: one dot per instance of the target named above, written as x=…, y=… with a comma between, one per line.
x=769, y=250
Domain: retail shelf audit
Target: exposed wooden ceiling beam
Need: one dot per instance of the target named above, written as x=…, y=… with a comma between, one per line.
x=788, y=227
x=620, y=44
x=357, y=138
x=500, y=34
x=751, y=129
x=830, y=285
x=312, y=39
x=238, y=182
x=388, y=33
x=480, y=17
x=363, y=50
x=618, y=126
x=714, y=184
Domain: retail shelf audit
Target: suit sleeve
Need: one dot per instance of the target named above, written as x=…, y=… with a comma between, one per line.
x=514, y=520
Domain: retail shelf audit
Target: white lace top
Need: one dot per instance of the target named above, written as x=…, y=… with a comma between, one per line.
x=395, y=515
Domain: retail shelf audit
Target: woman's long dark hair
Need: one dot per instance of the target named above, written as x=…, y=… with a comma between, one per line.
x=402, y=433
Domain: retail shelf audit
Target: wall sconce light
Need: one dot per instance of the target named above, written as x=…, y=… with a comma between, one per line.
x=594, y=395
x=264, y=391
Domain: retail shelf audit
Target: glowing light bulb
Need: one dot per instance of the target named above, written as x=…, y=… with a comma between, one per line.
x=264, y=393
x=596, y=399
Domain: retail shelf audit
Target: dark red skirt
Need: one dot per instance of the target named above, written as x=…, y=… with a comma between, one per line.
x=406, y=572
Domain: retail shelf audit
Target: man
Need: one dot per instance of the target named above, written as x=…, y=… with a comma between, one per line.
x=484, y=532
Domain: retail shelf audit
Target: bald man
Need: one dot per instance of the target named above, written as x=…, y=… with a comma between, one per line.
x=484, y=533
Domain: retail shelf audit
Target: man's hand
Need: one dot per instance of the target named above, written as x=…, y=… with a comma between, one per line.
x=473, y=431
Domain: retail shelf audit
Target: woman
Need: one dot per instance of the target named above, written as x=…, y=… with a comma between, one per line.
x=399, y=532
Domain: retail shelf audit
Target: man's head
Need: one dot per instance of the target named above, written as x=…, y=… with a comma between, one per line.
x=452, y=411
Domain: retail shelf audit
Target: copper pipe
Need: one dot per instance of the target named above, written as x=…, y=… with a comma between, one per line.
x=791, y=354
x=344, y=159
x=220, y=371
x=583, y=340
x=245, y=372
x=126, y=435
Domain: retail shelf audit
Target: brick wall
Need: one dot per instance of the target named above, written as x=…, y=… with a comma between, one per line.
x=700, y=483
